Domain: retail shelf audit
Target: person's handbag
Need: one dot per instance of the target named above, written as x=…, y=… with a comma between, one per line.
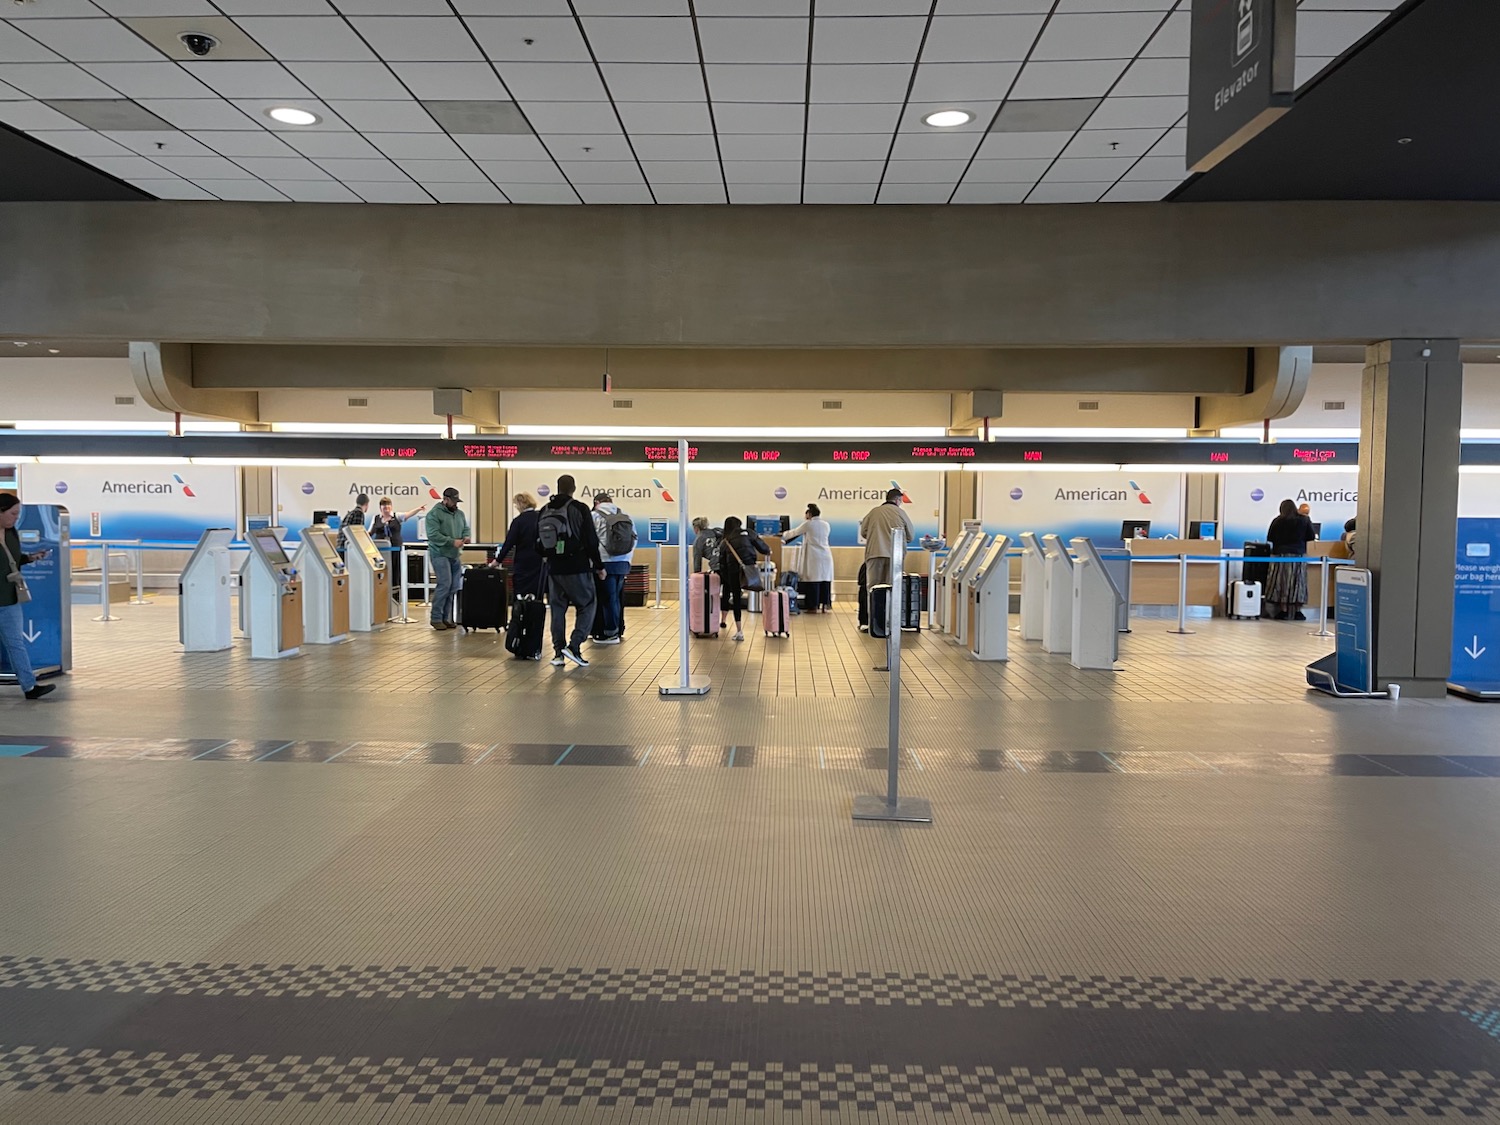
x=750, y=576
x=23, y=595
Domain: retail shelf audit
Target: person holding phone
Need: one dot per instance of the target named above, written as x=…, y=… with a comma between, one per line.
x=13, y=595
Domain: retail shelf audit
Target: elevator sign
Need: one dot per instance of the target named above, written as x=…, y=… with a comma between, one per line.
x=1241, y=74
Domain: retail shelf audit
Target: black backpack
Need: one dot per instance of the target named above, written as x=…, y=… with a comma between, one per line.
x=555, y=533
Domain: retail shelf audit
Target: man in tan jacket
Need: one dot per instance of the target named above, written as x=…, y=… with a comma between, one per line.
x=875, y=529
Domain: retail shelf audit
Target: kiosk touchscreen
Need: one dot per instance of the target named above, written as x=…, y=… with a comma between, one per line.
x=1096, y=606
x=989, y=603
x=325, y=605
x=274, y=593
x=1033, y=585
x=958, y=565
x=940, y=596
x=1057, y=601
x=369, y=581
x=205, y=620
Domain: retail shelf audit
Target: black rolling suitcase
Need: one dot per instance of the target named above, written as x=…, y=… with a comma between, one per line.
x=481, y=600
x=880, y=611
x=1257, y=566
x=913, y=586
x=528, y=625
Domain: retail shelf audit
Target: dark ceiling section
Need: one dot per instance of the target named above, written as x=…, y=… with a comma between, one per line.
x=34, y=172
x=1410, y=115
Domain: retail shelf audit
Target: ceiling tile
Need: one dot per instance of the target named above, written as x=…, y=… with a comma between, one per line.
x=1153, y=77
x=1174, y=143
x=601, y=171
x=501, y=146
x=392, y=192
x=914, y=193
x=1112, y=142
x=355, y=80
x=166, y=143
x=10, y=93
x=1066, y=170
x=935, y=146
x=17, y=47
x=247, y=190
x=994, y=7
x=1108, y=35
x=34, y=115
x=54, y=80
x=165, y=34
x=539, y=193
x=654, y=82
x=1307, y=69
x=761, y=146
x=676, y=146
x=454, y=80
x=758, y=82
x=1139, y=191
x=925, y=171
x=839, y=193
x=634, y=39
x=982, y=114
x=344, y=145
x=362, y=171
x=418, y=38
x=665, y=117
x=1087, y=6
x=860, y=83
x=981, y=39
x=129, y=9
x=418, y=146
x=1159, y=168
x=172, y=188
x=443, y=171
x=389, y=116
x=80, y=142
x=1138, y=113
x=1067, y=79
x=54, y=9
x=101, y=40
x=275, y=7
x=203, y=167
x=1171, y=42
x=307, y=38
x=615, y=193
x=630, y=7
x=1325, y=33
x=485, y=192
x=754, y=40
x=959, y=82
x=478, y=117
x=249, y=79
x=1043, y=115
x=150, y=80
x=598, y=148
x=991, y=193
x=844, y=171
x=1023, y=145
x=393, y=7
x=553, y=82
x=236, y=142
x=572, y=117
x=848, y=146
x=1059, y=192
x=1006, y=171
x=126, y=167
x=531, y=39
x=683, y=171
x=852, y=118
x=316, y=191
x=199, y=113
x=744, y=117
x=764, y=193
x=522, y=172
x=689, y=193
x=282, y=168
x=763, y=171
x=714, y=8
x=872, y=8
x=110, y=115
x=882, y=39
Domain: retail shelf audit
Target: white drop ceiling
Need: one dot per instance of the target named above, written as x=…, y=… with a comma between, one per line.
x=625, y=101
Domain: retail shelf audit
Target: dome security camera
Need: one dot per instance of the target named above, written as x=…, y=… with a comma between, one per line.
x=198, y=43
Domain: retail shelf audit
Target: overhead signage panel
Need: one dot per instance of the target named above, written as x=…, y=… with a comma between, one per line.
x=1241, y=75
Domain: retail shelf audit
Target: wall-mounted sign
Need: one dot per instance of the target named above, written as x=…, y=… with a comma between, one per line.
x=1241, y=76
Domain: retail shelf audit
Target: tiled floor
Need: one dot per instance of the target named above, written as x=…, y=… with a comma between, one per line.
x=1188, y=890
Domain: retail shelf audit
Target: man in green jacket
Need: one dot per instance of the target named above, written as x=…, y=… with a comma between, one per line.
x=447, y=531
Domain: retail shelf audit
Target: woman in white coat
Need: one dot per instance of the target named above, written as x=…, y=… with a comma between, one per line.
x=816, y=576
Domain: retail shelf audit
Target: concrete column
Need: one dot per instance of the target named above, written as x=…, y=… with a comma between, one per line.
x=1410, y=409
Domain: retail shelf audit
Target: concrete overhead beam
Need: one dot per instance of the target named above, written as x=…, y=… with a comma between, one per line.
x=710, y=277
x=1276, y=383
x=163, y=374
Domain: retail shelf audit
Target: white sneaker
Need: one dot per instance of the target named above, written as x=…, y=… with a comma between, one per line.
x=557, y=660
x=576, y=657
x=864, y=628
x=607, y=640
x=739, y=636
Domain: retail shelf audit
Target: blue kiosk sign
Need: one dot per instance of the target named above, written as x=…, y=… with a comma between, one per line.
x=1476, y=610
x=46, y=620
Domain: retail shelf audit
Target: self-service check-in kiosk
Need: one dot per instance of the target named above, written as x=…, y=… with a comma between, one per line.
x=1057, y=599
x=965, y=619
x=941, y=595
x=1096, y=606
x=989, y=603
x=205, y=622
x=369, y=581
x=1033, y=586
x=325, y=595
x=274, y=593
x=958, y=568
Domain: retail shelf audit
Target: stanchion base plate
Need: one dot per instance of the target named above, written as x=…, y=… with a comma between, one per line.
x=696, y=685
x=908, y=810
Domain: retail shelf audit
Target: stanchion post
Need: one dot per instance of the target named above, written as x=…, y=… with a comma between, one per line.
x=140, y=575
x=1323, y=609
x=1182, y=566
x=686, y=684
x=891, y=807
x=104, y=614
x=658, y=578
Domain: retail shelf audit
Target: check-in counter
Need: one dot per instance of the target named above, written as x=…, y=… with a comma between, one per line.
x=1331, y=549
x=1156, y=583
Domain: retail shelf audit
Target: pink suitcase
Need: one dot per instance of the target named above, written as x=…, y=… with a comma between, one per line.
x=776, y=612
x=703, y=604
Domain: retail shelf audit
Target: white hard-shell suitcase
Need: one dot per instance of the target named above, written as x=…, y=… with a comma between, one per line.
x=1244, y=599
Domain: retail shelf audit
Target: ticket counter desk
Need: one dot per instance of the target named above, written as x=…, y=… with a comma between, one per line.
x=272, y=591
x=989, y=603
x=205, y=621
x=1155, y=583
x=941, y=599
x=958, y=569
x=325, y=598
x=1057, y=602
x=369, y=581
x=1337, y=553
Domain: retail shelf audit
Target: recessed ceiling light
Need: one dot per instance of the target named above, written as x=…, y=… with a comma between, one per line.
x=19, y=343
x=289, y=115
x=1403, y=140
x=948, y=118
x=54, y=351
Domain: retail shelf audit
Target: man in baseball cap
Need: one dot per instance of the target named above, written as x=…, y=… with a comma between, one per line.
x=447, y=532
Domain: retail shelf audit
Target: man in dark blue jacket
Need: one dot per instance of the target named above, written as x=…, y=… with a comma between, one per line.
x=570, y=547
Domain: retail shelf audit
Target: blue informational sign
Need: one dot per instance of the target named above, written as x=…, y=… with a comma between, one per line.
x=1353, y=658
x=46, y=620
x=1476, y=605
x=658, y=531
